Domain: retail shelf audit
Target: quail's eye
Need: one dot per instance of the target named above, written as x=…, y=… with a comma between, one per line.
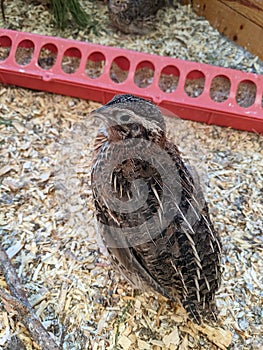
x=135, y=127
x=124, y=118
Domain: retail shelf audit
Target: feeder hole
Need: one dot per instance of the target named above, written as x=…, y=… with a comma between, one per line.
x=119, y=69
x=194, y=83
x=95, y=65
x=220, y=88
x=5, y=47
x=144, y=74
x=246, y=93
x=24, y=52
x=71, y=60
x=47, y=56
x=169, y=78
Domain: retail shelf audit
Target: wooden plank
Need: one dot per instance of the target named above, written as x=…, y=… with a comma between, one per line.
x=252, y=10
x=232, y=24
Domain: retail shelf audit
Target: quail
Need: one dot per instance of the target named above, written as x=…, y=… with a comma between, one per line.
x=133, y=16
x=151, y=215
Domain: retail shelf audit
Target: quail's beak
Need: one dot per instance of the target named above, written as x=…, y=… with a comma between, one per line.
x=102, y=116
x=97, y=115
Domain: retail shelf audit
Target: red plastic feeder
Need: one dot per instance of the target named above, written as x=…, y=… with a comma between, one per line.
x=190, y=90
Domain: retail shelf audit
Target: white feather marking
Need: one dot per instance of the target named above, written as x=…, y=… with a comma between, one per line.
x=209, y=228
x=212, y=247
x=219, y=247
x=198, y=274
x=104, y=201
x=111, y=178
x=138, y=191
x=160, y=217
x=204, y=302
x=194, y=210
x=206, y=221
x=115, y=183
x=157, y=197
x=188, y=224
x=182, y=278
x=147, y=229
x=207, y=284
x=184, y=218
x=197, y=289
x=198, y=263
x=175, y=268
x=114, y=218
x=197, y=257
x=190, y=239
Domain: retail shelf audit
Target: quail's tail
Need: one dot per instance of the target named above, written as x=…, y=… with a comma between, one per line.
x=192, y=311
x=198, y=315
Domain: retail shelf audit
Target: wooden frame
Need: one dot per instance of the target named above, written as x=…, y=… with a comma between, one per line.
x=240, y=20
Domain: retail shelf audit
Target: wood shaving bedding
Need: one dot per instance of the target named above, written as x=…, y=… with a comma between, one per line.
x=47, y=212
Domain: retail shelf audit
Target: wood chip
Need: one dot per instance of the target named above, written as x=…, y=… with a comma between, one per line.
x=14, y=249
x=45, y=176
x=19, y=127
x=184, y=344
x=143, y=345
x=219, y=337
x=11, y=184
x=172, y=338
x=5, y=169
x=124, y=342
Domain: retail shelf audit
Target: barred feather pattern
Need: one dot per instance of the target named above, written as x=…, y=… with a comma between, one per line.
x=182, y=261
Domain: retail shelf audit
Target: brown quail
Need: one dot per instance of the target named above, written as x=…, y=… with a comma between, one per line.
x=133, y=16
x=151, y=214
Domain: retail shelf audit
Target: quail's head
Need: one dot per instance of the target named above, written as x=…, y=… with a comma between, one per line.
x=117, y=6
x=128, y=116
